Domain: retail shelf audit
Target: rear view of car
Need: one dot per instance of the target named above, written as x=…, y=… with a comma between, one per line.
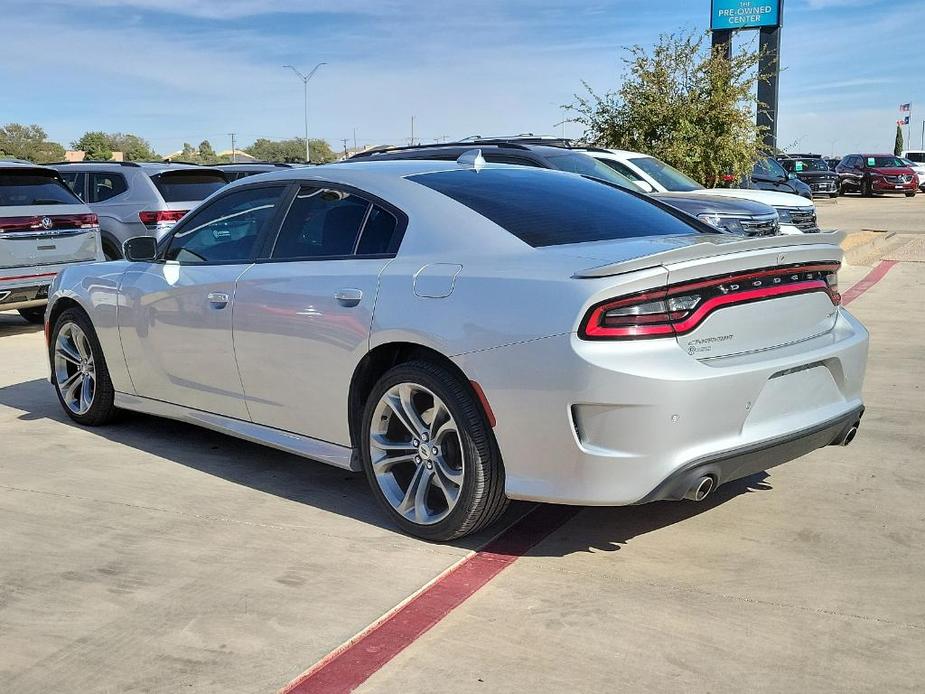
x=139, y=199
x=43, y=228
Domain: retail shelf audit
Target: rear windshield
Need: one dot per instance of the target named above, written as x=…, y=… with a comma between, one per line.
x=543, y=208
x=798, y=165
x=183, y=186
x=669, y=177
x=918, y=157
x=21, y=189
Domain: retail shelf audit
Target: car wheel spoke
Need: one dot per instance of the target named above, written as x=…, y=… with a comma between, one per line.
x=68, y=353
x=408, y=504
x=386, y=463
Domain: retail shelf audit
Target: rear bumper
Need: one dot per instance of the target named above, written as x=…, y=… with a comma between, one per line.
x=612, y=424
x=748, y=460
x=25, y=287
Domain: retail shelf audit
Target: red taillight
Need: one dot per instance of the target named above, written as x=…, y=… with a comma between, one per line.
x=728, y=178
x=157, y=216
x=680, y=308
x=55, y=221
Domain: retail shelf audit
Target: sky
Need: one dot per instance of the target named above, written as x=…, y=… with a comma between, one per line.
x=176, y=71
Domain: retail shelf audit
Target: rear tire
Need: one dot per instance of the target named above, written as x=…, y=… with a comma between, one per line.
x=78, y=370
x=35, y=314
x=447, y=479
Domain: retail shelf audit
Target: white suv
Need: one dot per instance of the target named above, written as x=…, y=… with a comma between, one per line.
x=43, y=228
x=797, y=214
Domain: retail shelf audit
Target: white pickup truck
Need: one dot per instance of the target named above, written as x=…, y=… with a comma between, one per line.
x=43, y=228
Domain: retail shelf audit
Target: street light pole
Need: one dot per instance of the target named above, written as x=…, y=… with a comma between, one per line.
x=305, y=79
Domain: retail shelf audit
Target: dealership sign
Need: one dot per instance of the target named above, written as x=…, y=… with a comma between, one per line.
x=745, y=14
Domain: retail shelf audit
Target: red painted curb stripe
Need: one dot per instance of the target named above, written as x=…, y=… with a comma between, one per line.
x=870, y=279
x=346, y=668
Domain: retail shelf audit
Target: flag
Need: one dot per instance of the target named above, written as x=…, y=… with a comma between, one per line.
x=905, y=121
x=905, y=107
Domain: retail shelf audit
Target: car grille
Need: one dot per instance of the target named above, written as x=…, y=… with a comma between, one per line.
x=823, y=185
x=804, y=220
x=761, y=226
x=902, y=178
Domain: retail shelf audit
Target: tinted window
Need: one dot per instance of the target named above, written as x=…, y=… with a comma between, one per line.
x=882, y=162
x=21, y=189
x=495, y=158
x=381, y=234
x=918, y=157
x=227, y=229
x=184, y=186
x=769, y=168
x=589, y=166
x=106, y=185
x=669, y=177
x=622, y=169
x=321, y=223
x=543, y=208
x=75, y=181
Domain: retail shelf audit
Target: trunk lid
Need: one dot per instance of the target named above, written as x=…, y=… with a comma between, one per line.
x=32, y=236
x=751, y=294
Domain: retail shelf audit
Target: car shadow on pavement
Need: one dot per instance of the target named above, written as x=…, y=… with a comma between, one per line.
x=345, y=493
x=12, y=324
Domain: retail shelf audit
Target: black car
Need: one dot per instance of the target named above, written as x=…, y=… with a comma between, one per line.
x=725, y=214
x=815, y=173
x=767, y=174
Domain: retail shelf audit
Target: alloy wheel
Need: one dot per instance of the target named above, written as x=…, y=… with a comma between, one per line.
x=417, y=454
x=75, y=369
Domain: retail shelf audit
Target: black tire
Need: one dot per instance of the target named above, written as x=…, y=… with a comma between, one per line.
x=110, y=253
x=866, y=189
x=833, y=195
x=910, y=195
x=35, y=314
x=102, y=409
x=481, y=498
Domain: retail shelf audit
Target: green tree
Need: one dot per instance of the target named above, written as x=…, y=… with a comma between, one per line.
x=206, y=153
x=898, y=145
x=681, y=102
x=95, y=144
x=28, y=142
x=189, y=153
x=133, y=147
x=291, y=150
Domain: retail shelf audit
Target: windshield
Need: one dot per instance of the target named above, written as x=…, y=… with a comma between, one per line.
x=883, y=163
x=588, y=166
x=771, y=168
x=188, y=186
x=668, y=176
x=22, y=189
x=544, y=208
x=799, y=165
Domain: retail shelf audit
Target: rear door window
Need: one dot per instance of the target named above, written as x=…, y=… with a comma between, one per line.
x=381, y=234
x=544, y=208
x=75, y=181
x=187, y=185
x=321, y=223
x=106, y=185
x=21, y=189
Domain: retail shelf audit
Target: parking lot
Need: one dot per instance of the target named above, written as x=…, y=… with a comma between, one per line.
x=152, y=555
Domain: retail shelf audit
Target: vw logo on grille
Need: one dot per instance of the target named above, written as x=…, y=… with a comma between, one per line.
x=47, y=223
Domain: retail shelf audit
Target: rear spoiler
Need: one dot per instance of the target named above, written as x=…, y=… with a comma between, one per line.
x=711, y=245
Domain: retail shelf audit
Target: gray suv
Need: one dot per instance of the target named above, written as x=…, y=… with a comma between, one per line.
x=138, y=199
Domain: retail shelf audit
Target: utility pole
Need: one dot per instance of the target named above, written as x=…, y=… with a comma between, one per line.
x=411, y=141
x=354, y=139
x=344, y=140
x=305, y=79
x=923, y=134
x=234, y=152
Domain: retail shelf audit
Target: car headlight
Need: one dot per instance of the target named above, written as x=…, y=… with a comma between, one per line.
x=785, y=216
x=730, y=225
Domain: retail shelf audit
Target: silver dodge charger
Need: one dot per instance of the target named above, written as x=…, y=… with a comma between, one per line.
x=466, y=334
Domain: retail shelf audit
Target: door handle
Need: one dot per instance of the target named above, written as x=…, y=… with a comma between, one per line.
x=348, y=297
x=218, y=299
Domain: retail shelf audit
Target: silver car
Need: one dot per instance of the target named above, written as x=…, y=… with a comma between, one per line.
x=468, y=334
x=132, y=199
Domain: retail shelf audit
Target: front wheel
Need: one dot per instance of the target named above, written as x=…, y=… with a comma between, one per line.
x=910, y=195
x=78, y=370
x=36, y=314
x=429, y=453
x=866, y=190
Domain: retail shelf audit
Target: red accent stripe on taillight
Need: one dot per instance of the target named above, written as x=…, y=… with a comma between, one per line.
x=58, y=221
x=28, y=277
x=156, y=216
x=665, y=324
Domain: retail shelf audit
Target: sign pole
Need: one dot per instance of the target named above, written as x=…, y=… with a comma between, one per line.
x=768, y=84
x=722, y=38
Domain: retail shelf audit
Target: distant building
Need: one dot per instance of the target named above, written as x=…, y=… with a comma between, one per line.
x=236, y=155
x=80, y=155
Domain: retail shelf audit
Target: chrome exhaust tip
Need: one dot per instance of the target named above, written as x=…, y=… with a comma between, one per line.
x=849, y=435
x=701, y=489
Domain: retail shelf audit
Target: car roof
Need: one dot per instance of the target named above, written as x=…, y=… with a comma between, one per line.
x=151, y=167
x=9, y=165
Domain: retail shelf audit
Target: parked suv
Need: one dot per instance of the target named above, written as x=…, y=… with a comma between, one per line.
x=43, y=228
x=814, y=172
x=870, y=174
x=797, y=216
x=740, y=217
x=242, y=169
x=767, y=174
x=138, y=199
x=919, y=168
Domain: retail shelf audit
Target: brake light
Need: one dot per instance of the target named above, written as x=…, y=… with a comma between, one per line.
x=55, y=221
x=158, y=216
x=679, y=309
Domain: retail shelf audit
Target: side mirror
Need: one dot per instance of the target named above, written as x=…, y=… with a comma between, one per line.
x=140, y=249
x=645, y=186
